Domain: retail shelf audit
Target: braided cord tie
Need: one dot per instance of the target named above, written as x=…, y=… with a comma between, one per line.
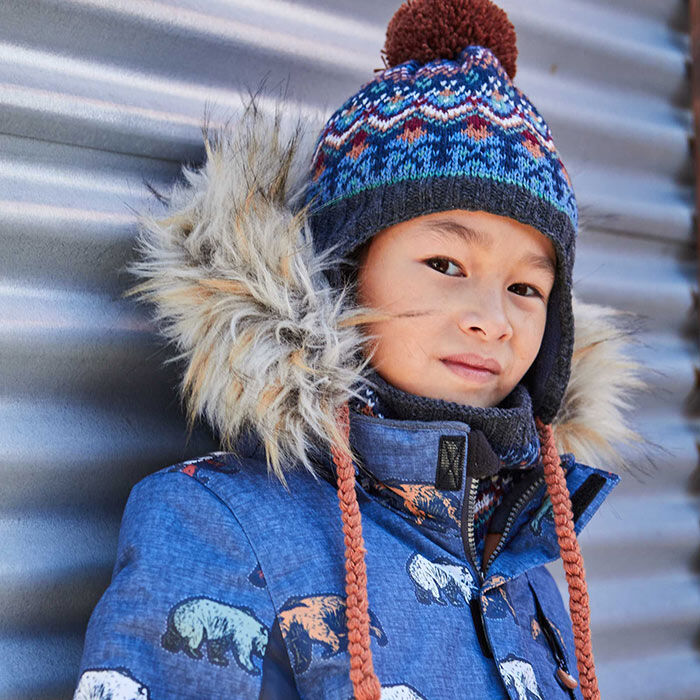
x=364, y=681
x=573, y=561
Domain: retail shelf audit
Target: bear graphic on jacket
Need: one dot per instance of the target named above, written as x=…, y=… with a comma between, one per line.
x=398, y=692
x=439, y=581
x=427, y=505
x=318, y=619
x=199, y=621
x=519, y=675
x=109, y=684
x=543, y=513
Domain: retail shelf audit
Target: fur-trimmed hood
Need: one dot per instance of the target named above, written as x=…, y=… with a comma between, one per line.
x=268, y=345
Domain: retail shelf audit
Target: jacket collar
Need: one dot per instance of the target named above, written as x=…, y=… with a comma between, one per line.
x=509, y=428
x=534, y=540
x=421, y=452
x=416, y=468
x=402, y=464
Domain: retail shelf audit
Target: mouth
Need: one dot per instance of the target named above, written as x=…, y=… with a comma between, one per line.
x=472, y=367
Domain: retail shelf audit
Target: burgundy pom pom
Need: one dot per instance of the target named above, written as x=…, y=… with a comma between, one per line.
x=426, y=30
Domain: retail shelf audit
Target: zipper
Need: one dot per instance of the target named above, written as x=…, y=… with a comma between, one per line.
x=470, y=544
x=512, y=517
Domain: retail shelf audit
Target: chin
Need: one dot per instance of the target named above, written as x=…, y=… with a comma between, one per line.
x=478, y=401
x=480, y=398
x=476, y=398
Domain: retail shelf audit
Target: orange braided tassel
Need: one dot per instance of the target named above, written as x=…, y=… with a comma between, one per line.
x=573, y=561
x=364, y=681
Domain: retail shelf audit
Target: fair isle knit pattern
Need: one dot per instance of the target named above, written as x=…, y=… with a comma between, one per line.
x=367, y=402
x=489, y=494
x=444, y=119
x=522, y=456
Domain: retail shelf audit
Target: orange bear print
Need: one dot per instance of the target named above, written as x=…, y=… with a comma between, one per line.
x=423, y=501
x=318, y=619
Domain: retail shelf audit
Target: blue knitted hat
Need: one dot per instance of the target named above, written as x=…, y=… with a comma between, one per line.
x=444, y=127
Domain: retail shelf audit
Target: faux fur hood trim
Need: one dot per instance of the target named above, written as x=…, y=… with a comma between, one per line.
x=267, y=344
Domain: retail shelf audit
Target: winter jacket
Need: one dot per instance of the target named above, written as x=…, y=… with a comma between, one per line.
x=229, y=583
x=224, y=580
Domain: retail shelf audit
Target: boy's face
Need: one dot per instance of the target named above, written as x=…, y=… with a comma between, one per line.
x=474, y=285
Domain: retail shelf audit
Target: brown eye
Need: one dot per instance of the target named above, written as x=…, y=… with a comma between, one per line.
x=523, y=290
x=445, y=266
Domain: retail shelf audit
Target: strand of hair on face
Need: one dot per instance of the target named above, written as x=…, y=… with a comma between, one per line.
x=364, y=681
x=579, y=606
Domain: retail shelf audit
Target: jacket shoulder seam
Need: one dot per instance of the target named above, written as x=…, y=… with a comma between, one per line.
x=233, y=515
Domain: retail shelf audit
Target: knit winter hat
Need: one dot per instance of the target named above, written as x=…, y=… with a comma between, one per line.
x=444, y=127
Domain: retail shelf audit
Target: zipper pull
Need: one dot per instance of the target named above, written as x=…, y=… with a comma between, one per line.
x=567, y=679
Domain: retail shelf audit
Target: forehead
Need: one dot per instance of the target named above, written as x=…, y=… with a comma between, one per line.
x=488, y=232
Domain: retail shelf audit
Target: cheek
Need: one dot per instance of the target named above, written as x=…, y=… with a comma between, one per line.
x=402, y=350
x=375, y=285
x=536, y=330
x=530, y=332
x=403, y=336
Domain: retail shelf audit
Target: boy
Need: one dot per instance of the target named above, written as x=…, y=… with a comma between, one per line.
x=441, y=186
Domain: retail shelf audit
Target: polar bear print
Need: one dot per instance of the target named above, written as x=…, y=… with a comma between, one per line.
x=439, y=581
x=201, y=621
x=109, y=684
x=519, y=675
x=400, y=692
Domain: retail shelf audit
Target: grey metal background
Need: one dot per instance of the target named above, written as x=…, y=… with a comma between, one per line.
x=98, y=95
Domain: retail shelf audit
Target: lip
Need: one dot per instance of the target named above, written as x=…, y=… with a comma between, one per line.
x=472, y=362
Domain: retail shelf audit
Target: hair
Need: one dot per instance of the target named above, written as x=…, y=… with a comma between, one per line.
x=352, y=263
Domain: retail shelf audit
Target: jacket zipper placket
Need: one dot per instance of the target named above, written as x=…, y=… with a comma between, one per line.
x=470, y=550
x=510, y=521
x=470, y=547
x=472, y=486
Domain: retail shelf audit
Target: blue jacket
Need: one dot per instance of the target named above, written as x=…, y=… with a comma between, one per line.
x=227, y=585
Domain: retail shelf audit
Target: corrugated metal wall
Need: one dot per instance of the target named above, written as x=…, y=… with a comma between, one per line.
x=98, y=95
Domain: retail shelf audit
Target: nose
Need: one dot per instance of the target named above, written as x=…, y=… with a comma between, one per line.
x=486, y=317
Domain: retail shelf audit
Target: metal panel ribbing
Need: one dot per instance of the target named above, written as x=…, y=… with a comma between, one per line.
x=98, y=96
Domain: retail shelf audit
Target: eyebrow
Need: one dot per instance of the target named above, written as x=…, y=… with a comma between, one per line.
x=473, y=236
